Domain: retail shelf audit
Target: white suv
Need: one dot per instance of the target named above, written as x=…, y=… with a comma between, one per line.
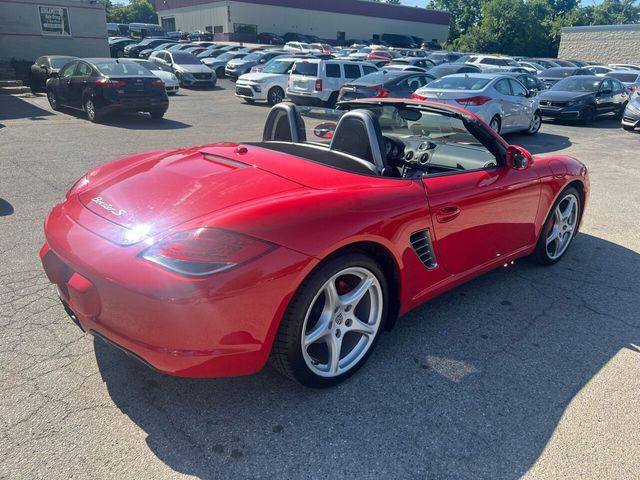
x=317, y=82
x=269, y=85
x=492, y=61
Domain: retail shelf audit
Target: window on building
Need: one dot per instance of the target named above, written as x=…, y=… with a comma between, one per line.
x=169, y=24
x=209, y=28
x=245, y=28
x=218, y=29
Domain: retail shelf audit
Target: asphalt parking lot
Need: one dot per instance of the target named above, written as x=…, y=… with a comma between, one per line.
x=526, y=371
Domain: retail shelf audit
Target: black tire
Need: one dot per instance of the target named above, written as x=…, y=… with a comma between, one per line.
x=287, y=354
x=53, y=99
x=620, y=112
x=275, y=95
x=540, y=254
x=495, y=124
x=587, y=115
x=536, y=124
x=331, y=103
x=220, y=72
x=93, y=114
x=180, y=79
x=119, y=54
x=157, y=114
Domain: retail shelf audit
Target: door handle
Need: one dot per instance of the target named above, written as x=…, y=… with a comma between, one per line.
x=446, y=214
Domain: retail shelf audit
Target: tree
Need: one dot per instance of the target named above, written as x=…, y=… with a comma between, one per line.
x=463, y=14
x=135, y=11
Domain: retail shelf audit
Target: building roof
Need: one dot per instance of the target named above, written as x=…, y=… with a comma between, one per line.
x=600, y=28
x=348, y=7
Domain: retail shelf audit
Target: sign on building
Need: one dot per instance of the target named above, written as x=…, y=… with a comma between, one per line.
x=54, y=21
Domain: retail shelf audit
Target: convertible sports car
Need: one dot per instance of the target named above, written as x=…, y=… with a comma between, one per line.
x=305, y=246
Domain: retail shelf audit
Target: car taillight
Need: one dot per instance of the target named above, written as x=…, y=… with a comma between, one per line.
x=108, y=83
x=633, y=88
x=157, y=83
x=318, y=85
x=380, y=92
x=205, y=251
x=417, y=96
x=473, y=101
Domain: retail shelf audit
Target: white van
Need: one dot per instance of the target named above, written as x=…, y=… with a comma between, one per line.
x=317, y=82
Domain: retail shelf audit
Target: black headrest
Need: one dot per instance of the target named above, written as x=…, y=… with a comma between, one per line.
x=284, y=124
x=358, y=133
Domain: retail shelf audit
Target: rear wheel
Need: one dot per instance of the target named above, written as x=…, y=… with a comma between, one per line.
x=495, y=124
x=331, y=103
x=157, y=114
x=53, y=99
x=91, y=110
x=536, y=123
x=220, y=72
x=559, y=229
x=333, y=322
x=275, y=95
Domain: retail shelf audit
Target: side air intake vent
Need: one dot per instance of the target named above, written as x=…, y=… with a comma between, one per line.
x=421, y=243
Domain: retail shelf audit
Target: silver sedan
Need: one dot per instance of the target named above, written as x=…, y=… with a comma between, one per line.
x=500, y=100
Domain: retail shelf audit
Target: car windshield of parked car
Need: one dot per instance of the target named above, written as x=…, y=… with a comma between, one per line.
x=378, y=78
x=442, y=70
x=279, y=67
x=111, y=69
x=305, y=68
x=149, y=65
x=59, y=62
x=577, y=84
x=557, y=72
x=462, y=59
x=254, y=57
x=630, y=77
x=185, y=59
x=460, y=83
x=225, y=57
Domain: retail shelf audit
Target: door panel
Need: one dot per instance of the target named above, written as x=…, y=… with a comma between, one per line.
x=481, y=215
x=64, y=82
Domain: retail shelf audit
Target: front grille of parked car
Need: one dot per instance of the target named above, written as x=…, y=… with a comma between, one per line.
x=421, y=243
x=553, y=104
x=202, y=76
x=246, y=91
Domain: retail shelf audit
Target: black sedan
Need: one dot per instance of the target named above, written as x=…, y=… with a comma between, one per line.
x=533, y=84
x=135, y=48
x=385, y=83
x=553, y=75
x=43, y=68
x=584, y=98
x=445, y=69
x=116, y=46
x=270, y=39
x=103, y=85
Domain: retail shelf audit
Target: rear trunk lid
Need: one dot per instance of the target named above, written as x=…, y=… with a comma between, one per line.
x=136, y=86
x=159, y=192
x=303, y=76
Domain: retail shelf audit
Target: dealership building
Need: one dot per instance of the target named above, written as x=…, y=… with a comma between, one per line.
x=601, y=43
x=333, y=20
x=30, y=28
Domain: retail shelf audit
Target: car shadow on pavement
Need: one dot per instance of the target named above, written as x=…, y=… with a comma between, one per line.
x=604, y=122
x=6, y=208
x=540, y=143
x=471, y=385
x=141, y=121
x=13, y=107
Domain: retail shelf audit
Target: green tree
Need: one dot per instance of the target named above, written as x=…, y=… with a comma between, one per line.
x=463, y=14
x=135, y=11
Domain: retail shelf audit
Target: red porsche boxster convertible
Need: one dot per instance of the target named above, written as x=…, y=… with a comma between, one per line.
x=303, y=247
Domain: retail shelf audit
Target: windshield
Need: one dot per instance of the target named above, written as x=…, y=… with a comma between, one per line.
x=186, y=59
x=122, y=68
x=227, y=56
x=253, y=57
x=624, y=77
x=148, y=65
x=377, y=78
x=557, y=72
x=459, y=83
x=278, y=66
x=462, y=59
x=577, y=84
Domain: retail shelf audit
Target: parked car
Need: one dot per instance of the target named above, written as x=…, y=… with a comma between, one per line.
x=270, y=39
x=297, y=47
x=629, y=78
x=387, y=55
x=240, y=66
x=43, y=68
x=584, y=98
x=444, y=57
x=411, y=52
x=492, y=61
x=622, y=66
x=399, y=41
x=116, y=47
x=413, y=61
x=214, y=52
x=163, y=46
x=219, y=64
x=451, y=68
x=599, y=70
x=269, y=85
x=164, y=73
x=402, y=67
x=531, y=67
x=295, y=37
x=500, y=100
x=546, y=63
x=100, y=86
x=579, y=63
x=554, y=75
x=134, y=49
x=188, y=68
x=531, y=82
x=631, y=116
x=317, y=82
x=322, y=48
x=296, y=245
x=179, y=47
x=384, y=83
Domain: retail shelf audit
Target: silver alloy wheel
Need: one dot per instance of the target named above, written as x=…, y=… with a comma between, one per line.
x=495, y=124
x=535, y=123
x=53, y=101
x=275, y=96
x=90, y=109
x=342, y=322
x=563, y=226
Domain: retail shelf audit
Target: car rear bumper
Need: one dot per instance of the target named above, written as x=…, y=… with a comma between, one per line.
x=304, y=99
x=151, y=104
x=222, y=325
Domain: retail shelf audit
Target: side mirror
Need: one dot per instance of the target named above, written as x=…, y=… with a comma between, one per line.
x=518, y=157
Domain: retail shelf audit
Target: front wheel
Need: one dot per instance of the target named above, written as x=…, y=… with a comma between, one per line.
x=559, y=229
x=91, y=110
x=536, y=123
x=495, y=124
x=275, y=95
x=333, y=322
x=53, y=99
x=588, y=115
